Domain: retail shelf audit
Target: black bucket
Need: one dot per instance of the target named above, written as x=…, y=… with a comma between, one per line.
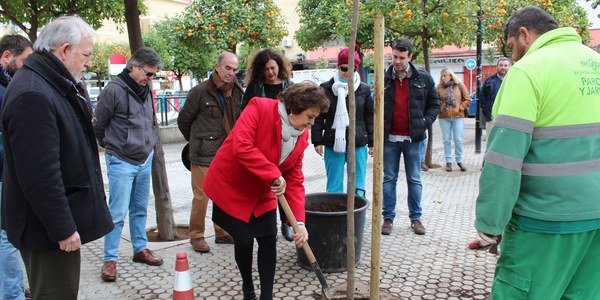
x=327, y=231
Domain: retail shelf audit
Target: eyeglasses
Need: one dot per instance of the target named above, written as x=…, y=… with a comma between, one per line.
x=345, y=69
x=148, y=74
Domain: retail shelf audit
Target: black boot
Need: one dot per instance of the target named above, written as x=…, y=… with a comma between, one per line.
x=250, y=296
x=286, y=231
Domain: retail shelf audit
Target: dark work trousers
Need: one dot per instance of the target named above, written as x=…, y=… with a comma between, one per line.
x=52, y=274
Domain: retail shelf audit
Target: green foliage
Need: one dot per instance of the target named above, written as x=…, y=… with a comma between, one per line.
x=222, y=24
x=31, y=15
x=102, y=52
x=322, y=63
x=368, y=61
x=177, y=55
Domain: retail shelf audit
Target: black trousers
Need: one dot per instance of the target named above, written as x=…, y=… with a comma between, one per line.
x=52, y=274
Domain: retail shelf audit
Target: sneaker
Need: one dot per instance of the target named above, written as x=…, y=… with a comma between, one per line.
x=417, y=227
x=387, y=227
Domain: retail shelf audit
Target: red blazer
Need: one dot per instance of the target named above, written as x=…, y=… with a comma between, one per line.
x=239, y=177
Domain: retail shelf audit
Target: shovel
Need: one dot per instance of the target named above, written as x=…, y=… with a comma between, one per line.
x=309, y=254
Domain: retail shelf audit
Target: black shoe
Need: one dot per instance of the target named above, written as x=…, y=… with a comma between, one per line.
x=250, y=296
x=286, y=231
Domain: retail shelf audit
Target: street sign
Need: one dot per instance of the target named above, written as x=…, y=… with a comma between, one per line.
x=470, y=64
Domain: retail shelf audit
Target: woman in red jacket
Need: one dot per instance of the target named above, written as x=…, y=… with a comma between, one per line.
x=267, y=143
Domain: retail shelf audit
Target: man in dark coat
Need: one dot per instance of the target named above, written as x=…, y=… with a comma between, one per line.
x=411, y=104
x=54, y=197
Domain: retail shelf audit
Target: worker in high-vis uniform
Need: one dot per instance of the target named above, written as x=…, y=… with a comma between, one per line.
x=540, y=184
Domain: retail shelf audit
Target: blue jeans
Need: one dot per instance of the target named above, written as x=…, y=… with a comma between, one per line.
x=129, y=189
x=11, y=269
x=453, y=128
x=391, y=166
x=423, y=147
x=334, y=167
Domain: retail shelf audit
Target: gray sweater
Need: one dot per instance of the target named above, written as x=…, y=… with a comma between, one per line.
x=123, y=123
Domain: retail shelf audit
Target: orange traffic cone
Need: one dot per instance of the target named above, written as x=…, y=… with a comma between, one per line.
x=182, y=289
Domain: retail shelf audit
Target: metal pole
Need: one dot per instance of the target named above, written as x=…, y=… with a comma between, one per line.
x=478, y=114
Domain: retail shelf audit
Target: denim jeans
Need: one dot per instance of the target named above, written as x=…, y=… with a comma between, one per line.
x=129, y=189
x=335, y=164
x=11, y=268
x=453, y=127
x=423, y=147
x=391, y=166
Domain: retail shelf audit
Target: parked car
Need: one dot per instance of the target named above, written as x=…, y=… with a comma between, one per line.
x=473, y=106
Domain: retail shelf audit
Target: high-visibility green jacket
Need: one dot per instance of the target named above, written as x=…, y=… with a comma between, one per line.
x=543, y=152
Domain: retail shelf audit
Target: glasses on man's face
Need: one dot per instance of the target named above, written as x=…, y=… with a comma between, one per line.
x=345, y=69
x=148, y=74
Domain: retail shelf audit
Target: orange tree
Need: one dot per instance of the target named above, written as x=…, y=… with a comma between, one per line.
x=29, y=16
x=102, y=52
x=176, y=53
x=223, y=24
x=496, y=13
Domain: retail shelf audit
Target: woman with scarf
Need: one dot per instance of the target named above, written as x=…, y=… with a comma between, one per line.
x=266, y=145
x=269, y=73
x=454, y=102
x=329, y=134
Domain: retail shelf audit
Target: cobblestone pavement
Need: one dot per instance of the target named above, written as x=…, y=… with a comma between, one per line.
x=434, y=266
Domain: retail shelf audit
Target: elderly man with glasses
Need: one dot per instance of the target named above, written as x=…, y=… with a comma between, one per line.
x=123, y=126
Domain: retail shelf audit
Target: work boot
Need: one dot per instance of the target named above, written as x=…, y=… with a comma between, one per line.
x=286, y=231
x=417, y=227
x=109, y=271
x=200, y=245
x=387, y=227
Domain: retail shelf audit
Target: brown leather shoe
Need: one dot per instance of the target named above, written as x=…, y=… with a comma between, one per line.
x=200, y=245
x=417, y=227
x=226, y=239
x=109, y=271
x=387, y=227
x=462, y=167
x=146, y=256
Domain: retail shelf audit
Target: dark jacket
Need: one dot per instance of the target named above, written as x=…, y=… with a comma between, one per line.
x=423, y=102
x=124, y=123
x=258, y=90
x=3, y=84
x=323, y=134
x=52, y=178
x=488, y=95
x=201, y=121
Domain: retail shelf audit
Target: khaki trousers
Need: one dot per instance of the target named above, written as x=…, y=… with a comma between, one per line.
x=200, y=205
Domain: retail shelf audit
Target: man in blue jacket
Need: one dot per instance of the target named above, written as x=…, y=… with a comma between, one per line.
x=411, y=104
x=14, y=49
x=490, y=89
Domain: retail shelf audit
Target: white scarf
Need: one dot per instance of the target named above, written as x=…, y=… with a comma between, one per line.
x=341, y=120
x=289, y=134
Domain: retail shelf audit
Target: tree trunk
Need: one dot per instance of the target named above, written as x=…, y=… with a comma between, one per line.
x=132, y=16
x=160, y=183
x=425, y=44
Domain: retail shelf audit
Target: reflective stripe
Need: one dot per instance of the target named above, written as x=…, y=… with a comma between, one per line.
x=505, y=161
x=564, y=169
x=529, y=169
x=514, y=123
x=569, y=131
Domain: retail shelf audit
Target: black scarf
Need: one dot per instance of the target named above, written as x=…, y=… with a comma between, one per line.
x=141, y=91
x=82, y=93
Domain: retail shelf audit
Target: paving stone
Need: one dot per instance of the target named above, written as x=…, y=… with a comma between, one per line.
x=434, y=266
